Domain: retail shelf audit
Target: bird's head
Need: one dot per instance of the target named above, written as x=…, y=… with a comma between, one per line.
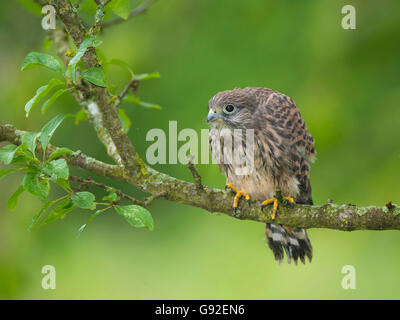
x=231, y=109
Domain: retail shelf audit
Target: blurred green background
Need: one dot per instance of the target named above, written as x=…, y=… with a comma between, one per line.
x=346, y=84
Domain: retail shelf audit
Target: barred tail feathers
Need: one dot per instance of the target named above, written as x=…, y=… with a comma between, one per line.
x=292, y=241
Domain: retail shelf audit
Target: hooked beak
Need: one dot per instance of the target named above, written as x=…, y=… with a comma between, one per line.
x=213, y=115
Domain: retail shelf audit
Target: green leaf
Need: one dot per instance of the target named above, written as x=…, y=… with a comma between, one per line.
x=64, y=184
x=49, y=129
x=58, y=169
x=34, y=59
x=89, y=41
x=7, y=153
x=112, y=196
x=36, y=218
x=21, y=158
x=86, y=43
x=87, y=6
x=41, y=93
x=84, y=200
x=33, y=185
x=147, y=76
x=30, y=138
x=59, y=211
x=150, y=105
x=4, y=172
x=123, y=65
x=137, y=101
x=94, y=215
x=112, y=89
x=80, y=116
x=95, y=76
x=121, y=8
x=97, y=43
x=137, y=216
x=13, y=201
x=81, y=229
x=52, y=99
x=125, y=120
x=60, y=152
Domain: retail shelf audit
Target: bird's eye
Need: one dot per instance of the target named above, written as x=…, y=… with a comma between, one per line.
x=229, y=108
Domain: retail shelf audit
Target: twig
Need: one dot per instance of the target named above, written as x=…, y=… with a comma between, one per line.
x=195, y=173
x=139, y=10
x=153, y=197
x=132, y=84
x=121, y=195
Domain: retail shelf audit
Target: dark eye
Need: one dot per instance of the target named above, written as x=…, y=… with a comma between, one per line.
x=229, y=108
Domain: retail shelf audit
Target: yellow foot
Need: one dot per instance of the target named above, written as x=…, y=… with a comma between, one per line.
x=276, y=204
x=239, y=194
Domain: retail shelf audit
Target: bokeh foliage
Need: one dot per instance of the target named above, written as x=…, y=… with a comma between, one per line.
x=346, y=84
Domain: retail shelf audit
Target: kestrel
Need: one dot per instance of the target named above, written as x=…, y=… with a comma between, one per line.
x=283, y=150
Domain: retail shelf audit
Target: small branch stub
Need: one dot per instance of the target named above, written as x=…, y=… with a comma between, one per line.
x=195, y=173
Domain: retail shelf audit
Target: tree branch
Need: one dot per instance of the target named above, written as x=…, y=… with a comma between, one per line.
x=339, y=217
x=60, y=37
x=109, y=123
x=133, y=83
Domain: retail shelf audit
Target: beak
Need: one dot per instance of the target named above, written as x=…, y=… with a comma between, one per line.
x=213, y=115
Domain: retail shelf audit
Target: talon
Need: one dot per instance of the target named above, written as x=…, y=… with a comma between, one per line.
x=276, y=204
x=247, y=197
x=231, y=187
x=290, y=199
x=239, y=194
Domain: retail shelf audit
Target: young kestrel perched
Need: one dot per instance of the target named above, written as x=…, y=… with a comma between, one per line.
x=283, y=149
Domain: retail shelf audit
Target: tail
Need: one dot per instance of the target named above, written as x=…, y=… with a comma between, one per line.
x=294, y=241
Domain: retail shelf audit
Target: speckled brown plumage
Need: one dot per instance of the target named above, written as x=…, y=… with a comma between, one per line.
x=283, y=149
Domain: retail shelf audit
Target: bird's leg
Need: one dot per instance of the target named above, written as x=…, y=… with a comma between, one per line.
x=238, y=195
x=278, y=198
